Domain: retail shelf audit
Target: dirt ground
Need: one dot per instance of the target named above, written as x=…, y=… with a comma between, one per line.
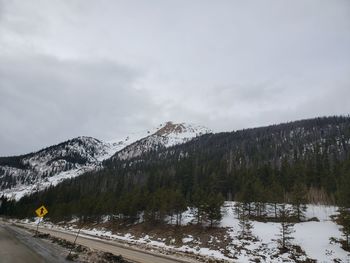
x=83, y=254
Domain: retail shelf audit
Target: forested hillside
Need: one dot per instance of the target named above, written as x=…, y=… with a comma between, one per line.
x=296, y=162
x=19, y=174
x=24, y=174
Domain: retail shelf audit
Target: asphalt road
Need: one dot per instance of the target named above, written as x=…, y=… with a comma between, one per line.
x=19, y=246
x=132, y=254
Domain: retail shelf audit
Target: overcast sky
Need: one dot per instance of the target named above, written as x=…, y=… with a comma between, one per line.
x=107, y=68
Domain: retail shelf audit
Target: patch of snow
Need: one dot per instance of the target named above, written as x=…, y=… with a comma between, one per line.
x=187, y=239
x=322, y=212
x=313, y=237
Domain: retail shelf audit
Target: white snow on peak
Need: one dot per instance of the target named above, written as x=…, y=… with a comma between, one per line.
x=115, y=145
x=180, y=132
x=166, y=135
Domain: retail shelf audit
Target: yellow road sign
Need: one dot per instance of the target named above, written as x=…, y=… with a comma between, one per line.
x=41, y=211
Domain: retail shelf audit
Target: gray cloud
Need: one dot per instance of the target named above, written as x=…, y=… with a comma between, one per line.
x=107, y=68
x=45, y=100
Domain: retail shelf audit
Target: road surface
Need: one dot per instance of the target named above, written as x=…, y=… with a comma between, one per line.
x=19, y=246
x=132, y=254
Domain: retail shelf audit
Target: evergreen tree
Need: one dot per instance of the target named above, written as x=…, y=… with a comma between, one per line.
x=275, y=193
x=198, y=202
x=286, y=227
x=343, y=193
x=248, y=193
x=213, y=208
x=344, y=220
x=179, y=206
x=244, y=224
x=299, y=200
x=3, y=205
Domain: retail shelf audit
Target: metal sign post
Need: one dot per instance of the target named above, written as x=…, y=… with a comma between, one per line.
x=37, y=227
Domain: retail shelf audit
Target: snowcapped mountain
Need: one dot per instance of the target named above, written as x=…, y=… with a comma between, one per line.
x=20, y=175
x=166, y=135
x=23, y=174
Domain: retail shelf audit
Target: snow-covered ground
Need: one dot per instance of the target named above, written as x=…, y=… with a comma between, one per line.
x=313, y=237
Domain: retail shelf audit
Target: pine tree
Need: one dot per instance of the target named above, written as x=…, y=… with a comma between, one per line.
x=198, y=201
x=286, y=227
x=299, y=200
x=344, y=220
x=3, y=205
x=343, y=193
x=179, y=206
x=343, y=196
x=244, y=224
x=213, y=208
x=247, y=194
x=275, y=195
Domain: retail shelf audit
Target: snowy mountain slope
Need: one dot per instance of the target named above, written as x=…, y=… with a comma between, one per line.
x=51, y=165
x=20, y=175
x=167, y=135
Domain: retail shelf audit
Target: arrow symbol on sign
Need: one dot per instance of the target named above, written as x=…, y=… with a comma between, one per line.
x=41, y=211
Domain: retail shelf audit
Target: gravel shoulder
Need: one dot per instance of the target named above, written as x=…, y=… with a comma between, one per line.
x=18, y=245
x=130, y=254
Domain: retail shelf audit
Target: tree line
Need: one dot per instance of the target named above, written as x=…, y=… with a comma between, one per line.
x=297, y=163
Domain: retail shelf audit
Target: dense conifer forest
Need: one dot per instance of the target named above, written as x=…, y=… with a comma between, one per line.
x=299, y=162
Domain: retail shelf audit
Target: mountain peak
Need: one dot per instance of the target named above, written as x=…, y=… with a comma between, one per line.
x=170, y=127
x=177, y=129
x=167, y=135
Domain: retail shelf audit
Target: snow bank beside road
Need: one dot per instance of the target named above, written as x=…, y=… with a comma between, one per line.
x=313, y=237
